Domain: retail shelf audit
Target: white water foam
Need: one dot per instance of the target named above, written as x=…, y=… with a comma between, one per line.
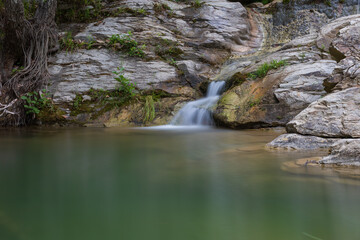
x=198, y=112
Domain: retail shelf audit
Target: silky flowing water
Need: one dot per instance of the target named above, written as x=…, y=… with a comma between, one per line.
x=203, y=184
x=198, y=112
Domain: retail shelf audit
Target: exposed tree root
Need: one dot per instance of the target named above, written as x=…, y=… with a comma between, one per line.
x=26, y=41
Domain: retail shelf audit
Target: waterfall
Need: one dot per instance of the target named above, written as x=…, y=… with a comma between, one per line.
x=198, y=112
x=357, y=7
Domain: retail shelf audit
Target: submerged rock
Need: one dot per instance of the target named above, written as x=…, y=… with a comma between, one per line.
x=344, y=152
x=300, y=142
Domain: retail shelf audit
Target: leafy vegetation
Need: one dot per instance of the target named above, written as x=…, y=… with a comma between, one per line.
x=35, y=102
x=125, y=43
x=135, y=12
x=168, y=50
x=262, y=70
x=118, y=42
x=126, y=87
x=41, y=107
x=197, y=3
x=16, y=70
x=79, y=11
x=68, y=44
x=161, y=7
x=29, y=8
x=254, y=102
x=85, y=11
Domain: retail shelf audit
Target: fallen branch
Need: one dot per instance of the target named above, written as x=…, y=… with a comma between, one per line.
x=4, y=108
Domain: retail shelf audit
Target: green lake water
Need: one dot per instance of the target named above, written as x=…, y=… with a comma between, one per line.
x=147, y=184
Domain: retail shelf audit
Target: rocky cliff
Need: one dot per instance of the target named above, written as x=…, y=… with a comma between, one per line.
x=183, y=46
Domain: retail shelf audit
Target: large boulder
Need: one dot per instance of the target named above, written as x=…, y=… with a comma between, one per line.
x=344, y=152
x=336, y=115
x=318, y=64
x=275, y=99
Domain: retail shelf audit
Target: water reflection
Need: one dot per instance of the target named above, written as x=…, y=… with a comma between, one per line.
x=136, y=184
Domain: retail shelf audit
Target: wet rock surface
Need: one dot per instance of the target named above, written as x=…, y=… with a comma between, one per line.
x=300, y=142
x=344, y=152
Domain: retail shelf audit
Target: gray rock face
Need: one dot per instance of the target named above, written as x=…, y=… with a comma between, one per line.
x=344, y=152
x=336, y=115
x=203, y=38
x=217, y=24
x=300, y=142
x=78, y=72
x=341, y=38
x=303, y=83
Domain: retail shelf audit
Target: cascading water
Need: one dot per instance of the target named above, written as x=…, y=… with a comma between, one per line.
x=198, y=112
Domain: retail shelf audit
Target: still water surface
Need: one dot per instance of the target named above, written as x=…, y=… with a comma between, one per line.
x=105, y=184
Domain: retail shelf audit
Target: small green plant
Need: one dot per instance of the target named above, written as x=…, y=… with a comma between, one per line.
x=16, y=70
x=80, y=11
x=302, y=56
x=35, y=102
x=197, y=3
x=254, y=102
x=135, y=12
x=149, y=108
x=90, y=42
x=172, y=62
x=262, y=70
x=141, y=11
x=125, y=86
x=161, y=7
x=77, y=102
x=322, y=47
x=68, y=44
x=125, y=43
x=29, y=8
